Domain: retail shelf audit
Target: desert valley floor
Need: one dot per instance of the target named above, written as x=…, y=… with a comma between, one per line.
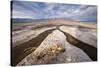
x=51, y=42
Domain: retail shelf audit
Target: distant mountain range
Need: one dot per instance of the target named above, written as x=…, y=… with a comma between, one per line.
x=21, y=20
x=25, y=20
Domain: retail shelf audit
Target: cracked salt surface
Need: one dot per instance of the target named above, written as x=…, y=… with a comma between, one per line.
x=88, y=37
x=71, y=54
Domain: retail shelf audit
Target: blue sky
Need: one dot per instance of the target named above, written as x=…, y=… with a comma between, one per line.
x=44, y=10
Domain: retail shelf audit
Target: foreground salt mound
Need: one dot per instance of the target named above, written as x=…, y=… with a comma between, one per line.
x=55, y=49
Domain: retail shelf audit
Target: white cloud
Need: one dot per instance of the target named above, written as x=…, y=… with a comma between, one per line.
x=60, y=13
x=84, y=12
x=18, y=14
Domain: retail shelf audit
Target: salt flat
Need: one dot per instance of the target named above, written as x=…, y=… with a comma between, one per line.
x=58, y=43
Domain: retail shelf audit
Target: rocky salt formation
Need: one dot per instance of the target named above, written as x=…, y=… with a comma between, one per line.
x=55, y=49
